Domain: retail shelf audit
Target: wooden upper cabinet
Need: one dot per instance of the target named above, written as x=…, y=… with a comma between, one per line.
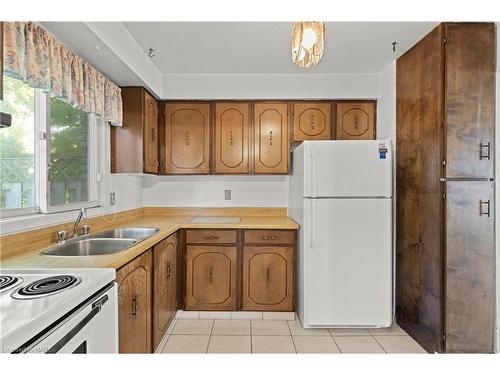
x=231, y=138
x=355, y=120
x=268, y=278
x=470, y=99
x=165, y=286
x=271, y=141
x=134, y=305
x=150, y=134
x=311, y=120
x=187, y=138
x=211, y=278
x=134, y=146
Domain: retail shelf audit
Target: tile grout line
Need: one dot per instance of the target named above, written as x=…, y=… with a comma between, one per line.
x=293, y=341
x=210, y=336
x=335, y=341
x=385, y=351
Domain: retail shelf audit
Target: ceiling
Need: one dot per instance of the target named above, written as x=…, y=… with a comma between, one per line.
x=264, y=47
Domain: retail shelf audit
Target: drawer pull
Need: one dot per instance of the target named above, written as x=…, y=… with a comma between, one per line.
x=134, y=307
x=269, y=238
x=483, y=204
x=213, y=237
x=211, y=275
x=168, y=271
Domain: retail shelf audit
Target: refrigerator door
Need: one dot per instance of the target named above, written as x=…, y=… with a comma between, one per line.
x=347, y=168
x=346, y=263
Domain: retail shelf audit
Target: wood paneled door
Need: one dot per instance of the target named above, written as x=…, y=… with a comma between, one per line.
x=187, y=138
x=470, y=285
x=268, y=278
x=134, y=305
x=311, y=121
x=211, y=278
x=231, y=138
x=164, y=286
x=271, y=140
x=470, y=99
x=150, y=134
x=355, y=120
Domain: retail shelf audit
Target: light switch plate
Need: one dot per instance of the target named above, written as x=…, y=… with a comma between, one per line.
x=227, y=195
x=112, y=199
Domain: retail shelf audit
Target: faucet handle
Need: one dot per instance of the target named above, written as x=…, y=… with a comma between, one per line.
x=62, y=236
x=85, y=229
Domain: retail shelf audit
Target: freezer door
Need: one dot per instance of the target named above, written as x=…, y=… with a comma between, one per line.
x=348, y=168
x=347, y=262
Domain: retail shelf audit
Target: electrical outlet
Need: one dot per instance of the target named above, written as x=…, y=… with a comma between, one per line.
x=227, y=195
x=112, y=199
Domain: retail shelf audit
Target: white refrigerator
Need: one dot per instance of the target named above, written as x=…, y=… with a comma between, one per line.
x=341, y=196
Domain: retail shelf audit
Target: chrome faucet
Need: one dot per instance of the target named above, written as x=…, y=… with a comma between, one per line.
x=81, y=215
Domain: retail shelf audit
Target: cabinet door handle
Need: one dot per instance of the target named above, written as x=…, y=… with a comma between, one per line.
x=484, y=204
x=168, y=271
x=213, y=237
x=134, y=307
x=211, y=275
x=485, y=151
x=153, y=135
x=269, y=238
x=268, y=274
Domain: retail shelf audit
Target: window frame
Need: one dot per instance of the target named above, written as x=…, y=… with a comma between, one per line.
x=96, y=164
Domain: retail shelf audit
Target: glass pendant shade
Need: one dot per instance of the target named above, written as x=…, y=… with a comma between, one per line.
x=308, y=43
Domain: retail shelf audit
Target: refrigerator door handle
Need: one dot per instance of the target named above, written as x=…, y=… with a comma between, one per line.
x=313, y=222
x=314, y=169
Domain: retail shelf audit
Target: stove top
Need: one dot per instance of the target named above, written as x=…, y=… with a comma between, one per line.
x=31, y=300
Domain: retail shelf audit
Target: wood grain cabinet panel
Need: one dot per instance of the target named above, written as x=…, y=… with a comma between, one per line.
x=150, y=134
x=355, y=120
x=470, y=100
x=211, y=278
x=264, y=236
x=134, y=305
x=470, y=287
x=231, y=138
x=187, y=138
x=311, y=121
x=134, y=146
x=164, y=286
x=271, y=142
x=268, y=278
x=202, y=236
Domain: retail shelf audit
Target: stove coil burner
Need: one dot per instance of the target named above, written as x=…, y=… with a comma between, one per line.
x=9, y=282
x=47, y=286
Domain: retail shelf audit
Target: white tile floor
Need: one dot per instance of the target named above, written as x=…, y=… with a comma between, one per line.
x=280, y=336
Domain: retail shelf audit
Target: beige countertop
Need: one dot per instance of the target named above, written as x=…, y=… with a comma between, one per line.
x=167, y=224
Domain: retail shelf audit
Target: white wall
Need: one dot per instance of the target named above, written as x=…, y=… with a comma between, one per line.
x=208, y=191
x=270, y=86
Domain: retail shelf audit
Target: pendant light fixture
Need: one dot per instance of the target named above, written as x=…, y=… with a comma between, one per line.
x=308, y=43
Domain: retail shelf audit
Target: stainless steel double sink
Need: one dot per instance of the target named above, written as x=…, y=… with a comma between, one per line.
x=107, y=242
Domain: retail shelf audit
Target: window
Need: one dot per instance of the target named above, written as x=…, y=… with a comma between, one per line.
x=49, y=157
x=17, y=148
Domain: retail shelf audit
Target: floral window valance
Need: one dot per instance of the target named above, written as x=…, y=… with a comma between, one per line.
x=32, y=55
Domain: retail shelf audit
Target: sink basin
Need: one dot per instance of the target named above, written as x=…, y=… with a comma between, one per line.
x=216, y=220
x=91, y=246
x=131, y=233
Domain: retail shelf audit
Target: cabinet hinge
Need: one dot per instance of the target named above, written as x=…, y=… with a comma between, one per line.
x=444, y=163
x=445, y=40
x=444, y=196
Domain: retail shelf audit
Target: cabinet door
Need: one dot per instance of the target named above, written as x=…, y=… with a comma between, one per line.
x=211, y=278
x=355, y=120
x=165, y=286
x=470, y=267
x=150, y=134
x=268, y=278
x=134, y=305
x=231, y=138
x=470, y=100
x=272, y=145
x=311, y=121
x=187, y=138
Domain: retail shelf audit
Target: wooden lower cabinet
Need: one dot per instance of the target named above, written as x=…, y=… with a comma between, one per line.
x=164, y=286
x=268, y=278
x=134, y=304
x=211, y=277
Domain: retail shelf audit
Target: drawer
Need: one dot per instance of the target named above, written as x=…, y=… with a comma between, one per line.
x=211, y=236
x=281, y=237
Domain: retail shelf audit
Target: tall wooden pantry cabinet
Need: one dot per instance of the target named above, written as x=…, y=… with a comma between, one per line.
x=445, y=181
